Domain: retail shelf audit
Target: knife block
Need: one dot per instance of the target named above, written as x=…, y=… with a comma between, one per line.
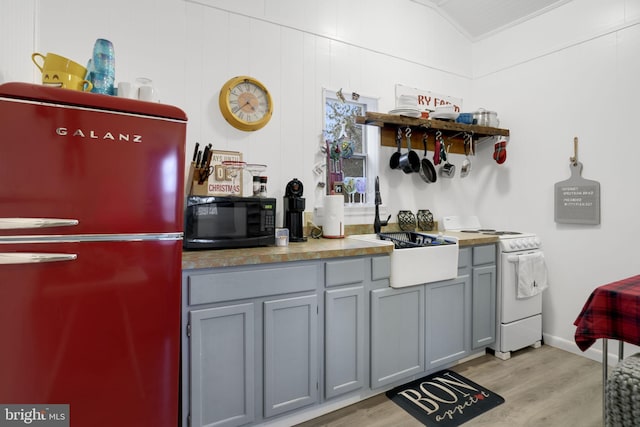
x=199, y=188
x=192, y=185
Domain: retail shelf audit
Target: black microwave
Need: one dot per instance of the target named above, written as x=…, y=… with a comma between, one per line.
x=215, y=222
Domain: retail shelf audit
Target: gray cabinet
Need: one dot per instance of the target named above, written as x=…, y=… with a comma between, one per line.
x=461, y=313
x=222, y=365
x=344, y=340
x=448, y=307
x=397, y=334
x=290, y=354
x=483, y=319
x=345, y=325
x=260, y=342
x=250, y=344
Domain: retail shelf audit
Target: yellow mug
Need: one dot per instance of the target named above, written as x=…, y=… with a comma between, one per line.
x=62, y=72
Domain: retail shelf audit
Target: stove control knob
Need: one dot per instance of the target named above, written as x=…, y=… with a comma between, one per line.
x=528, y=243
x=517, y=243
x=537, y=242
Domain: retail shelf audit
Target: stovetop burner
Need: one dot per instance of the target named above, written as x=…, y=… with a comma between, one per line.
x=510, y=241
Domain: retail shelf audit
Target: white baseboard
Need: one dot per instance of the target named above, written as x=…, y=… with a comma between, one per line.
x=594, y=352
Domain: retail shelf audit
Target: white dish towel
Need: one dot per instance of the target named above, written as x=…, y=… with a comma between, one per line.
x=532, y=275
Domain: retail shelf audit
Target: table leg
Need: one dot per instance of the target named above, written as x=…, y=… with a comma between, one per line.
x=605, y=363
x=620, y=351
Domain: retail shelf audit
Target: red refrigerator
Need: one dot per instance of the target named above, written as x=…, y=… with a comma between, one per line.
x=91, y=207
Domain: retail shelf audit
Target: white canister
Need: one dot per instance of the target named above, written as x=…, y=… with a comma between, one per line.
x=333, y=224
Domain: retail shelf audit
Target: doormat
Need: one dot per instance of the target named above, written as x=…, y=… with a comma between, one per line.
x=444, y=399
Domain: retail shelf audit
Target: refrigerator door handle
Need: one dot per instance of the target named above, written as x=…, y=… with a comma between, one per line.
x=8, y=258
x=16, y=223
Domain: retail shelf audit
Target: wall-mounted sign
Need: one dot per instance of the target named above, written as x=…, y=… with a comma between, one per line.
x=577, y=200
x=424, y=100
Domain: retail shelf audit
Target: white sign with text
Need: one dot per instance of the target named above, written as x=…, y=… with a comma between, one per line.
x=424, y=99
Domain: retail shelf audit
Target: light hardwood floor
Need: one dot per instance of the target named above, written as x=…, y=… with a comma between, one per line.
x=544, y=387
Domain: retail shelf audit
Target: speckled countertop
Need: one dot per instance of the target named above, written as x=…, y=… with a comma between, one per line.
x=311, y=249
x=472, y=239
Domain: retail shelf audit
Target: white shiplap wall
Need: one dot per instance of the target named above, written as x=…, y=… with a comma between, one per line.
x=571, y=72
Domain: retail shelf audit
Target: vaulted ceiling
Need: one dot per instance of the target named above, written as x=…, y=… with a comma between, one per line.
x=480, y=18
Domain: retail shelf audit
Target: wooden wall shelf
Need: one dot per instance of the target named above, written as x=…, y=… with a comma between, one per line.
x=452, y=132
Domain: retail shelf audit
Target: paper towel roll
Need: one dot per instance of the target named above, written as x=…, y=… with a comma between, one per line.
x=333, y=226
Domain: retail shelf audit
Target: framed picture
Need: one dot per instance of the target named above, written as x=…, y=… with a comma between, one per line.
x=337, y=187
x=225, y=181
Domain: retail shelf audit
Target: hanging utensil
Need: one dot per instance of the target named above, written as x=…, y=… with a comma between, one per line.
x=500, y=152
x=427, y=171
x=437, y=149
x=394, y=161
x=448, y=170
x=465, y=168
x=410, y=161
x=443, y=151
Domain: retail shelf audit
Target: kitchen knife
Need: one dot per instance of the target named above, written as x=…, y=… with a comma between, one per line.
x=205, y=156
x=195, y=151
x=209, y=157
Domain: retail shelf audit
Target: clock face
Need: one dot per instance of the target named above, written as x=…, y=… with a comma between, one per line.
x=245, y=103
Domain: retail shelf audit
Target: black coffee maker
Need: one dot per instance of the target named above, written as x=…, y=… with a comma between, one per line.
x=294, y=211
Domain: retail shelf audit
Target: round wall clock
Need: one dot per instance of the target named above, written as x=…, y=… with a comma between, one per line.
x=245, y=103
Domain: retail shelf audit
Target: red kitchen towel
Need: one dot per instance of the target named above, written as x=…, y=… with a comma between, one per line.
x=612, y=311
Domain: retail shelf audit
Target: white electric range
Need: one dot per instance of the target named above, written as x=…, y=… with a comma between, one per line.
x=519, y=321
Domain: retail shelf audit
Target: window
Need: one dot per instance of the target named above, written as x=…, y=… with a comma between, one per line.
x=351, y=154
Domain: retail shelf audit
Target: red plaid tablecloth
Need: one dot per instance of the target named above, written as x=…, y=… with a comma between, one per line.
x=612, y=311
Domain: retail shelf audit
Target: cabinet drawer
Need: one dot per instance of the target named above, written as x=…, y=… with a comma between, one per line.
x=380, y=267
x=344, y=272
x=485, y=254
x=464, y=258
x=231, y=285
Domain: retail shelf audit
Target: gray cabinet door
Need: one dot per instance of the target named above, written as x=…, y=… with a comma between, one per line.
x=222, y=366
x=484, y=306
x=344, y=340
x=290, y=354
x=397, y=334
x=447, y=312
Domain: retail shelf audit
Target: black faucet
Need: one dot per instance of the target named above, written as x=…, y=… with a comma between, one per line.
x=377, y=223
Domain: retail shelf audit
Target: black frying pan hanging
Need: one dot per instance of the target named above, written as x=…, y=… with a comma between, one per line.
x=394, y=161
x=410, y=161
x=427, y=170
